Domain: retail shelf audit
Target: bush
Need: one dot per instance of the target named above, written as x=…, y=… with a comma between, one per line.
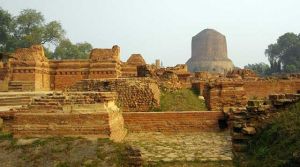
x=278, y=145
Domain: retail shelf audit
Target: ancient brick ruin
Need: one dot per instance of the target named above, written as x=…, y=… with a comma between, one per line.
x=135, y=95
x=103, y=97
x=88, y=114
x=221, y=95
x=129, y=68
x=29, y=70
x=247, y=121
x=209, y=53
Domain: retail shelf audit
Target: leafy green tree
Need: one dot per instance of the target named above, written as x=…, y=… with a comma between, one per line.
x=284, y=55
x=262, y=69
x=26, y=29
x=31, y=29
x=6, y=27
x=67, y=50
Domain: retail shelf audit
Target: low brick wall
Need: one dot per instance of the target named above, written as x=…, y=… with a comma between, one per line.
x=61, y=124
x=190, y=121
x=264, y=88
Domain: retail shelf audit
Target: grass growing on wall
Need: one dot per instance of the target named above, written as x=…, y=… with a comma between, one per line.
x=181, y=100
x=279, y=143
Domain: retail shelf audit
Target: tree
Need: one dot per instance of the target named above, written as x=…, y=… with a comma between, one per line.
x=67, y=50
x=29, y=28
x=284, y=55
x=6, y=27
x=262, y=69
x=26, y=29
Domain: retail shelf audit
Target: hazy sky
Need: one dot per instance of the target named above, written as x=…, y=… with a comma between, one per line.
x=163, y=29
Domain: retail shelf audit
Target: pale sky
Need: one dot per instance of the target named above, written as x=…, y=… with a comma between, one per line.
x=163, y=29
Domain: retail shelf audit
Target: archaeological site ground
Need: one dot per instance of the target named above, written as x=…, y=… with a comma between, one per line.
x=100, y=110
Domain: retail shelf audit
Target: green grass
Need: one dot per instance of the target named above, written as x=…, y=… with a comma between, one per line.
x=278, y=145
x=181, y=100
x=5, y=136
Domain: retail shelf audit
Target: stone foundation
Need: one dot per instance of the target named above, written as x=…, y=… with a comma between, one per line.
x=84, y=114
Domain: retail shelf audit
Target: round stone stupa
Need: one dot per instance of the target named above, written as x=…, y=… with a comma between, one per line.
x=209, y=53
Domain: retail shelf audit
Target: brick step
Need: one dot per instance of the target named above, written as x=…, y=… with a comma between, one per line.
x=3, y=99
x=44, y=108
x=47, y=100
x=17, y=103
x=14, y=88
x=14, y=101
x=53, y=97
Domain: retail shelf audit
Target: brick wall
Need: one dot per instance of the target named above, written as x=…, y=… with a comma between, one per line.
x=249, y=121
x=172, y=121
x=264, y=88
x=223, y=94
x=61, y=124
x=134, y=94
x=85, y=114
x=4, y=78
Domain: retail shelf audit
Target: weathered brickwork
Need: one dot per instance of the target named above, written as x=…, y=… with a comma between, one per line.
x=86, y=114
x=61, y=124
x=241, y=74
x=174, y=122
x=129, y=68
x=247, y=121
x=4, y=77
x=220, y=95
x=134, y=94
x=263, y=88
x=29, y=65
x=209, y=53
x=255, y=88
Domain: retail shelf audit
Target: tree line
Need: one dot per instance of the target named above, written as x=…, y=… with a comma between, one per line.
x=283, y=56
x=29, y=28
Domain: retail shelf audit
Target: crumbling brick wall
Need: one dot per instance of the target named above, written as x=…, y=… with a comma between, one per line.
x=222, y=94
x=247, y=121
x=4, y=78
x=129, y=68
x=134, y=94
x=30, y=65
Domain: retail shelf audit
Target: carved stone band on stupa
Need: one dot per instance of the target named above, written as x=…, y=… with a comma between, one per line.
x=209, y=53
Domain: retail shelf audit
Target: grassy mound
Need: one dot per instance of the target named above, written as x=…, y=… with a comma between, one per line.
x=181, y=100
x=278, y=145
